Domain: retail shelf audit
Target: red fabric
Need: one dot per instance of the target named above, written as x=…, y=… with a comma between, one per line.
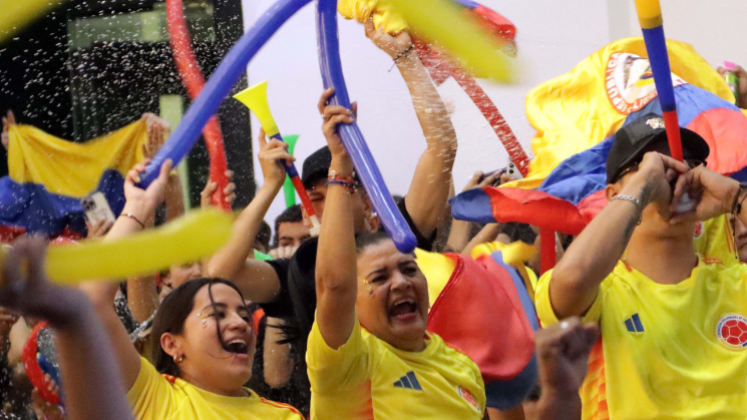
x=536, y=208
x=480, y=314
x=724, y=131
x=592, y=205
x=9, y=234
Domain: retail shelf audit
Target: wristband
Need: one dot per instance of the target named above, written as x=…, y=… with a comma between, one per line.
x=350, y=179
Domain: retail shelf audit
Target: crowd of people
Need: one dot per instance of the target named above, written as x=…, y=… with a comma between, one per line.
x=636, y=322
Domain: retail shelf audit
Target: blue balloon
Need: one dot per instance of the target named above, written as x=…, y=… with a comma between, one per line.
x=225, y=76
x=233, y=67
x=352, y=138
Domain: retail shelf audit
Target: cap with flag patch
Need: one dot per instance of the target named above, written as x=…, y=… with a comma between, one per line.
x=647, y=134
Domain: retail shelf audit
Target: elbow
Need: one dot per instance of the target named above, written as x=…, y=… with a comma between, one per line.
x=276, y=379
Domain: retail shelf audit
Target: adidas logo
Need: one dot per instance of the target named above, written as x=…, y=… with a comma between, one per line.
x=409, y=381
x=633, y=324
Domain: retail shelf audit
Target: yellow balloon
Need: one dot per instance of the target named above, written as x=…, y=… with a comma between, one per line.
x=255, y=98
x=16, y=14
x=196, y=235
x=443, y=22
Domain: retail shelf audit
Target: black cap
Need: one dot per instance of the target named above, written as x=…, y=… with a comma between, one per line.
x=647, y=134
x=316, y=167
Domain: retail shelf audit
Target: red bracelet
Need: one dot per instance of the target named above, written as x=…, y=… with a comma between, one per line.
x=333, y=176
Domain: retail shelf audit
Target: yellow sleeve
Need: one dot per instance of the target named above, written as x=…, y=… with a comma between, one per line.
x=151, y=396
x=332, y=370
x=544, y=307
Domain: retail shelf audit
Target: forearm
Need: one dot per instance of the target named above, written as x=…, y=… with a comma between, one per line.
x=576, y=279
x=336, y=271
x=552, y=406
x=458, y=235
x=174, y=197
x=142, y=298
x=429, y=189
x=277, y=361
x=93, y=389
x=229, y=259
x=487, y=234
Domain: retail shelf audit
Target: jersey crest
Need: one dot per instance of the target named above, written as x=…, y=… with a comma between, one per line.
x=732, y=332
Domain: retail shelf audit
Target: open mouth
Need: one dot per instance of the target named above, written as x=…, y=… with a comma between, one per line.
x=403, y=310
x=237, y=346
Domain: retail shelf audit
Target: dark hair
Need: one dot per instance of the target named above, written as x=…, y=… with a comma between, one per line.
x=173, y=313
x=264, y=235
x=365, y=239
x=290, y=215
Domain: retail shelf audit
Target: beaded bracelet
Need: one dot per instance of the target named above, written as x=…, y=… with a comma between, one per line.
x=349, y=187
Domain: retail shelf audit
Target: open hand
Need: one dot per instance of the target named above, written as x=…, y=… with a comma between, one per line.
x=158, y=131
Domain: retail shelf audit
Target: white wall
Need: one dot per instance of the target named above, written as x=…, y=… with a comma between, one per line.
x=552, y=37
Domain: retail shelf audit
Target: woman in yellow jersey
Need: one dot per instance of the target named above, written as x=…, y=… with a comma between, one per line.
x=369, y=355
x=203, y=339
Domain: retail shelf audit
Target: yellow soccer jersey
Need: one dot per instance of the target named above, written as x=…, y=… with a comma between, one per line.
x=715, y=238
x=666, y=351
x=366, y=378
x=157, y=397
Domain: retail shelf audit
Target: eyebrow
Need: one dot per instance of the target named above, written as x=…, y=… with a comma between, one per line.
x=375, y=272
x=220, y=305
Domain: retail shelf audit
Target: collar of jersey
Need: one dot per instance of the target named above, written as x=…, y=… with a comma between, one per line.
x=628, y=272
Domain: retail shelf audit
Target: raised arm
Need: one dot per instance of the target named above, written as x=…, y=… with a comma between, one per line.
x=575, y=281
x=336, y=269
x=257, y=280
x=430, y=185
x=89, y=372
x=562, y=355
x=138, y=211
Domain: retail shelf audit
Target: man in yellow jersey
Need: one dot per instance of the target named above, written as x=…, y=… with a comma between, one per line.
x=673, y=322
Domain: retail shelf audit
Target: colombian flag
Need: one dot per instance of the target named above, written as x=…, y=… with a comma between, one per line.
x=577, y=115
x=482, y=307
x=49, y=176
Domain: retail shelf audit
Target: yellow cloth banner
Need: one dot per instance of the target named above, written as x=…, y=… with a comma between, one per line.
x=72, y=169
x=575, y=112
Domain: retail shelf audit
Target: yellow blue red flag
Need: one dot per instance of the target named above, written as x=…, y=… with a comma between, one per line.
x=48, y=177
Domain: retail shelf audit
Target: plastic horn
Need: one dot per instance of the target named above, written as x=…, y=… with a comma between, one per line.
x=224, y=77
x=194, y=82
x=352, y=138
x=255, y=98
x=652, y=24
x=190, y=238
